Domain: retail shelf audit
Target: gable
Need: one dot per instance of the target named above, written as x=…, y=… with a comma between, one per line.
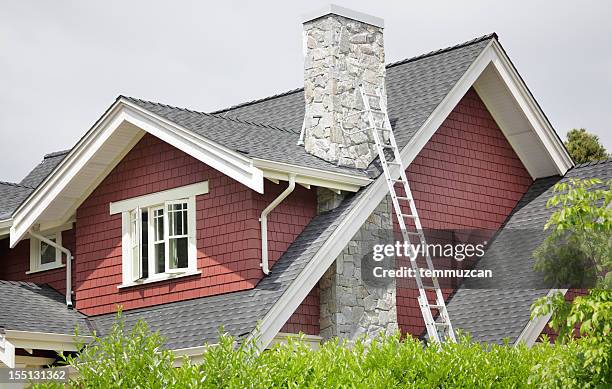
x=467, y=177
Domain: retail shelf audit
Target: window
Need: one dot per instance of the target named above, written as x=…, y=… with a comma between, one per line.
x=159, y=234
x=43, y=256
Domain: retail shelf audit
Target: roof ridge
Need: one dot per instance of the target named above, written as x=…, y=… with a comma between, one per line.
x=16, y=184
x=56, y=153
x=246, y=103
x=592, y=163
x=492, y=35
x=213, y=115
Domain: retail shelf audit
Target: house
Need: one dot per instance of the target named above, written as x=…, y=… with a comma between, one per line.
x=255, y=216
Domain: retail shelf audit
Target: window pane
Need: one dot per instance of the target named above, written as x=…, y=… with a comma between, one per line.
x=160, y=263
x=178, y=253
x=158, y=216
x=47, y=253
x=177, y=219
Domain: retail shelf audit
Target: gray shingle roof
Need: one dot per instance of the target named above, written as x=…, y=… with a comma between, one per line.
x=42, y=170
x=253, y=140
x=492, y=315
x=269, y=128
x=192, y=323
x=39, y=308
x=11, y=196
x=415, y=87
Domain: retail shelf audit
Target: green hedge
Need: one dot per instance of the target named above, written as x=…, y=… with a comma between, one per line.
x=134, y=359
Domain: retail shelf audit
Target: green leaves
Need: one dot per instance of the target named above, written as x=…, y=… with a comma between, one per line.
x=136, y=359
x=584, y=147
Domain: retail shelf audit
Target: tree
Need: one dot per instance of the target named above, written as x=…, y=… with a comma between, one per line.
x=581, y=234
x=584, y=146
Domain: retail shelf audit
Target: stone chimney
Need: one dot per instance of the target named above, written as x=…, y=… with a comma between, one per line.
x=343, y=48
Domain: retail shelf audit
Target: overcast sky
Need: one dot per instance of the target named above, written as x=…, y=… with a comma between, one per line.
x=62, y=63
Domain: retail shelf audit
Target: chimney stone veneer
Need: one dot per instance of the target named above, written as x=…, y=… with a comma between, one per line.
x=343, y=48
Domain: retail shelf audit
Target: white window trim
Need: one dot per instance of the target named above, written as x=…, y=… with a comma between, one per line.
x=126, y=207
x=35, y=261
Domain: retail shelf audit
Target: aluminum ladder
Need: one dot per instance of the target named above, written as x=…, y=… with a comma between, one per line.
x=437, y=331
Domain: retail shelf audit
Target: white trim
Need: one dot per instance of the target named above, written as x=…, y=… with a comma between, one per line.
x=156, y=198
x=159, y=277
x=193, y=354
x=532, y=331
x=7, y=352
x=273, y=170
x=55, y=267
x=346, y=12
x=314, y=341
x=280, y=312
x=121, y=112
x=45, y=341
x=151, y=202
x=35, y=253
x=530, y=108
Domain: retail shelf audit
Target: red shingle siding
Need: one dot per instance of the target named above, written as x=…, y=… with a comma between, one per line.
x=16, y=262
x=306, y=318
x=228, y=231
x=466, y=177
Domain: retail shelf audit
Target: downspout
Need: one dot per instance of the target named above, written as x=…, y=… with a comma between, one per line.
x=68, y=264
x=264, y=223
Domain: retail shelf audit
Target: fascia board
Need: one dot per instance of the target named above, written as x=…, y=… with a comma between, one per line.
x=310, y=176
x=546, y=133
x=45, y=341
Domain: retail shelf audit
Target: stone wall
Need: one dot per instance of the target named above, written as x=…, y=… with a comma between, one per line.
x=340, y=53
x=349, y=306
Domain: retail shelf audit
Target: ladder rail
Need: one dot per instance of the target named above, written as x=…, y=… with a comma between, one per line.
x=424, y=304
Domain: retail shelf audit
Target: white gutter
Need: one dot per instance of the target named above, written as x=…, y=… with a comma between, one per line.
x=264, y=223
x=68, y=264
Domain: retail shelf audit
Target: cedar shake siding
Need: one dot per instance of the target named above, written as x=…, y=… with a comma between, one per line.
x=228, y=230
x=16, y=262
x=306, y=317
x=466, y=177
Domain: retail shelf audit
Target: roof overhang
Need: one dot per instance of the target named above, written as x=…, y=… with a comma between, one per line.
x=557, y=161
x=56, y=199
x=11, y=340
x=308, y=176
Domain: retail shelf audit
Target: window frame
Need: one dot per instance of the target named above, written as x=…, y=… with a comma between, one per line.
x=36, y=264
x=151, y=203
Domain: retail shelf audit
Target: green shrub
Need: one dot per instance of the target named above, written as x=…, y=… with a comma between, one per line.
x=135, y=359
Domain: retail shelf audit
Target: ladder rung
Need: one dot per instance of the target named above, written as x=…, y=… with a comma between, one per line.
x=409, y=216
x=404, y=198
x=442, y=324
x=385, y=146
x=437, y=306
x=398, y=180
x=371, y=95
x=413, y=233
x=382, y=129
x=429, y=287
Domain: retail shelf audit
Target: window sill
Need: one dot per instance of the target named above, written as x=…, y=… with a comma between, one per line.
x=160, y=278
x=45, y=269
